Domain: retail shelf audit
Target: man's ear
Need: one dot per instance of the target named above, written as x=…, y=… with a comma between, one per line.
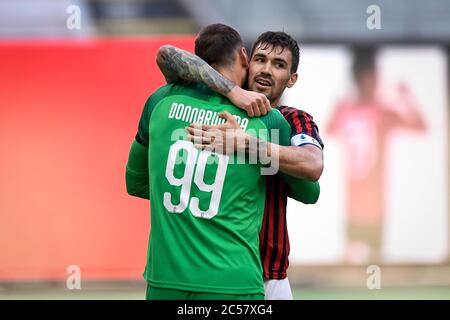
x=244, y=57
x=292, y=80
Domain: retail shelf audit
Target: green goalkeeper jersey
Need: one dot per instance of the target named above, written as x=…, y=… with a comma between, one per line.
x=206, y=208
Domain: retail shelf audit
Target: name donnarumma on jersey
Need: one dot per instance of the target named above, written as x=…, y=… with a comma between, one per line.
x=190, y=114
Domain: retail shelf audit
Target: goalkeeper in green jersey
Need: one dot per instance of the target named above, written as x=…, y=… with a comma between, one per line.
x=206, y=208
x=273, y=65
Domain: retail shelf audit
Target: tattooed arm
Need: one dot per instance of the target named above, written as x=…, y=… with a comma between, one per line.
x=177, y=64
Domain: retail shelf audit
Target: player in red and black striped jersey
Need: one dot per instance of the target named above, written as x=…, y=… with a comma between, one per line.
x=272, y=54
x=272, y=68
x=274, y=240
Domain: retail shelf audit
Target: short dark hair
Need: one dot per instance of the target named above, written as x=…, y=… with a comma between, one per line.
x=217, y=43
x=282, y=40
x=364, y=60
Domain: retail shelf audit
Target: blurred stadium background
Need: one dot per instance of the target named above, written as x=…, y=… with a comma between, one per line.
x=74, y=76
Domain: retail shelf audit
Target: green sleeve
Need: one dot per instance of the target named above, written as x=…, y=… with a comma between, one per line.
x=136, y=176
x=142, y=135
x=279, y=131
x=300, y=189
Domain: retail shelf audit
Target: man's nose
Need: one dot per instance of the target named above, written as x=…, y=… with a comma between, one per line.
x=267, y=70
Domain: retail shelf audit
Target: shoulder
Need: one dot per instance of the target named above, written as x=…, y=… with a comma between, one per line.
x=299, y=120
x=273, y=118
x=275, y=122
x=159, y=94
x=290, y=113
x=303, y=128
x=191, y=89
x=175, y=88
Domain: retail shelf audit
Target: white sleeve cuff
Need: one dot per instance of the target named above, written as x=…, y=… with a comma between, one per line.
x=301, y=139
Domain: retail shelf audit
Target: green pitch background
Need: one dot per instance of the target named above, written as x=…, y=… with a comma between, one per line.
x=435, y=293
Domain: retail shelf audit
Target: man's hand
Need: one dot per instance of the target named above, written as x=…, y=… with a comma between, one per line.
x=254, y=103
x=226, y=138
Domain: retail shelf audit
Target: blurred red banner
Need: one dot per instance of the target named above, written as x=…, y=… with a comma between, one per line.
x=69, y=111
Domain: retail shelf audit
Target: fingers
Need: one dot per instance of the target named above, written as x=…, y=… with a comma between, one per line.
x=261, y=105
x=202, y=137
x=200, y=146
x=230, y=123
x=195, y=139
x=267, y=105
x=195, y=131
x=199, y=126
x=204, y=147
x=250, y=111
x=256, y=108
x=211, y=148
x=264, y=105
x=227, y=116
x=254, y=103
x=218, y=141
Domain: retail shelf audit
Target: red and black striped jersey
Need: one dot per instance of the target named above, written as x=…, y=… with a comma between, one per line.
x=274, y=240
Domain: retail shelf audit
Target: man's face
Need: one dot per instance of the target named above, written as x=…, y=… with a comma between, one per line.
x=270, y=71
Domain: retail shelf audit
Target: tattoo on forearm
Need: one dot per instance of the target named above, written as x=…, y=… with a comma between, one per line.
x=176, y=63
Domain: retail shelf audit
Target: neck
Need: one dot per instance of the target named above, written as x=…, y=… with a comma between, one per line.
x=274, y=103
x=366, y=97
x=230, y=75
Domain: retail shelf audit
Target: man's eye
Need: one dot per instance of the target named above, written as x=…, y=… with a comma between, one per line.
x=280, y=65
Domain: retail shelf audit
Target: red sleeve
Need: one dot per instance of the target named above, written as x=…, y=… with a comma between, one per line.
x=301, y=122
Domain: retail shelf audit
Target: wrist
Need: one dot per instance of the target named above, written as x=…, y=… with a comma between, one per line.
x=232, y=93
